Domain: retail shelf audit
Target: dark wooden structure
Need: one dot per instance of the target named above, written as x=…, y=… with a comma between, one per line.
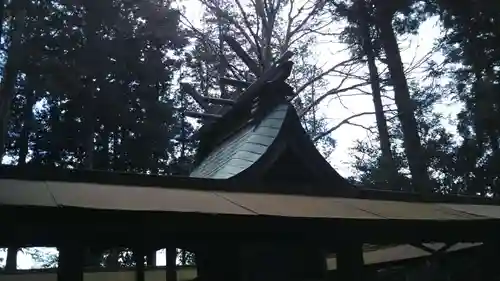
x=261, y=205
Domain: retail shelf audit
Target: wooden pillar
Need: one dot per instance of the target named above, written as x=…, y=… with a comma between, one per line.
x=490, y=270
x=11, y=260
x=291, y=261
x=70, y=264
x=138, y=254
x=218, y=262
x=350, y=262
x=93, y=257
x=112, y=259
x=151, y=258
x=171, y=265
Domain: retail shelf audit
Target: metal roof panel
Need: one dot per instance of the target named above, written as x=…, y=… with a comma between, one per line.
x=138, y=198
x=115, y=197
x=488, y=211
x=408, y=210
x=232, y=156
x=297, y=206
x=26, y=193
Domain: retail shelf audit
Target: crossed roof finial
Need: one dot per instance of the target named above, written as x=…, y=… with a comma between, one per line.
x=214, y=108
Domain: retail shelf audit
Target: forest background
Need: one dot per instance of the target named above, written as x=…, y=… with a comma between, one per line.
x=400, y=96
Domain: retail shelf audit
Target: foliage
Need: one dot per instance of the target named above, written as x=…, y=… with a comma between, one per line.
x=96, y=88
x=465, y=162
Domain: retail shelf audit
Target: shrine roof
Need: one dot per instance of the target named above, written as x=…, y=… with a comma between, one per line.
x=63, y=188
x=243, y=149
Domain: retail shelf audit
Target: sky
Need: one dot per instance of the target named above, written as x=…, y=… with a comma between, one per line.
x=414, y=48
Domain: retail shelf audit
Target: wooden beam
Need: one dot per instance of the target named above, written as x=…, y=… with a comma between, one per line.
x=253, y=89
x=189, y=89
x=235, y=83
x=252, y=65
x=423, y=247
x=220, y=101
x=201, y=115
x=248, y=96
x=431, y=250
x=284, y=57
x=285, y=73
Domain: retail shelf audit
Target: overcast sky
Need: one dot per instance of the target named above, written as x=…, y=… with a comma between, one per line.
x=415, y=47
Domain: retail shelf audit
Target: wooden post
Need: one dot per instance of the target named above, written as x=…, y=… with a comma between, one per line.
x=218, y=262
x=11, y=260
x=350, y=262
x=114, y=254
x=290, y=261
x=489, y=261
x=138, y=254
x=171, y=265
x=92, y=258
x=151, y=258
x=70, y=264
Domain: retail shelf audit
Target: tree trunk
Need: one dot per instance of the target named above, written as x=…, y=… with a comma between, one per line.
x=11, y=70
x=2, y=18
x=27, y=126
x=387, y=161
x=103, y=162
x=405, y=105
x=222, y=67
x=54, y=155
x=91, y=33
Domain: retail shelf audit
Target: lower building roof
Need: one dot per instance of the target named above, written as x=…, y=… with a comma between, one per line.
x=15, y=192
x=400, y=253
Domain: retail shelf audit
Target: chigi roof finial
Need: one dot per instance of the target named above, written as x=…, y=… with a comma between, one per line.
x=252, y=97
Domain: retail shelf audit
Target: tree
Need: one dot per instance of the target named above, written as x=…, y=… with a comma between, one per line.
x=384, y=15
x=362, y=38
x=95, y=87
x=266, y=29
x=438, y=147
x=14, y=60
x=472, y=59
x=372, y=34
